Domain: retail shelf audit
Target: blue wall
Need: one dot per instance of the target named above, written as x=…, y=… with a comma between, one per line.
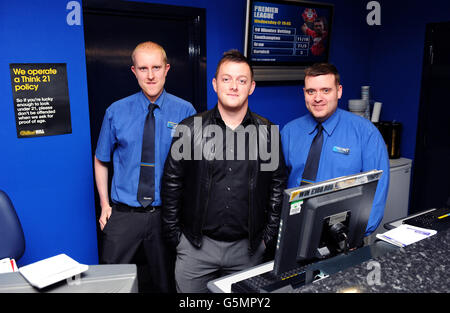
x=50, y=179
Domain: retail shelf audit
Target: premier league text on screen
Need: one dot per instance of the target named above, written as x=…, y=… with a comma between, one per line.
x=283, y=37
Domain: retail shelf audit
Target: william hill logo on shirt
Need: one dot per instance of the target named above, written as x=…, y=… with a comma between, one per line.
x=341, y=150
x=172, y=126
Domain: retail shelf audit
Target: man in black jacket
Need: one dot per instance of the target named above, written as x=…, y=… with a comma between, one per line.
x=223, y=183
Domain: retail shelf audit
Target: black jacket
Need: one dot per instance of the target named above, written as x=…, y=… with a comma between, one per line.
x=186, y=183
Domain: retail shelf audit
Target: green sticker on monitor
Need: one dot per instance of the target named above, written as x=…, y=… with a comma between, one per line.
x=296, y=207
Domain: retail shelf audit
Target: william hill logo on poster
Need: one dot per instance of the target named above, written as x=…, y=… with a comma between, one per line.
x=25, y=133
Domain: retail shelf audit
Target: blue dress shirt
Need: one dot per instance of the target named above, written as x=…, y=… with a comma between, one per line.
x=351, y=144
x=121, y=136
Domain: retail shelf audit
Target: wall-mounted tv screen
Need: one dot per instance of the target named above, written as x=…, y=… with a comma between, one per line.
x=283, y=37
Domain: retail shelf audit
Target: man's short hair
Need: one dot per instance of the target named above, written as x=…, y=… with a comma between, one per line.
x=149, y=45
x=236, y=56
x=318, y=69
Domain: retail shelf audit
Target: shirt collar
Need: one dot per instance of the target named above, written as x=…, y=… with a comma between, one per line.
x=143, y=100
x=329, y=125
x=247, y=118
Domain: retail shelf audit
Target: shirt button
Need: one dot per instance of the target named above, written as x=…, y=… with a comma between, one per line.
x=230, y=169
x=228, y=188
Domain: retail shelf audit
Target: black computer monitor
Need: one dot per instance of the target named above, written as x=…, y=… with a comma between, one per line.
x=324, y=219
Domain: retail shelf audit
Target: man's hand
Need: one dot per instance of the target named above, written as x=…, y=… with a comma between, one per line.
x=101, y=179
x=104, y=216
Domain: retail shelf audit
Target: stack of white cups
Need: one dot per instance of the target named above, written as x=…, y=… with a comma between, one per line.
x=357, y=106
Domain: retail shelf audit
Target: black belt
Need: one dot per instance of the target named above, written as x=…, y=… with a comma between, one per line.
x=126, y=208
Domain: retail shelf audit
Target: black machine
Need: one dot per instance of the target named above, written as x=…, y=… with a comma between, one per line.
x=437, y=219
x=318, y=221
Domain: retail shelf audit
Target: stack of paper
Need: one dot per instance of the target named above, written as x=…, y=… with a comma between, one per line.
x=52, y=270
x=404, y=235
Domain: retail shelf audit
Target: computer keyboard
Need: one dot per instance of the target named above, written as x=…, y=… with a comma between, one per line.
x=270, y=282
x=438, y=219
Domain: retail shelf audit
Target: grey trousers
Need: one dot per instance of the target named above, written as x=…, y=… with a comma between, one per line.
x=194, y=268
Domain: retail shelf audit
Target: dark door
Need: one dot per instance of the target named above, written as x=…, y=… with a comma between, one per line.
x=431, y=182
x=112, y=29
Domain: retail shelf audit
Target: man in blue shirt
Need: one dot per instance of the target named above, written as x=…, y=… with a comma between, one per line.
x=351, y=144
x=126, y=223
